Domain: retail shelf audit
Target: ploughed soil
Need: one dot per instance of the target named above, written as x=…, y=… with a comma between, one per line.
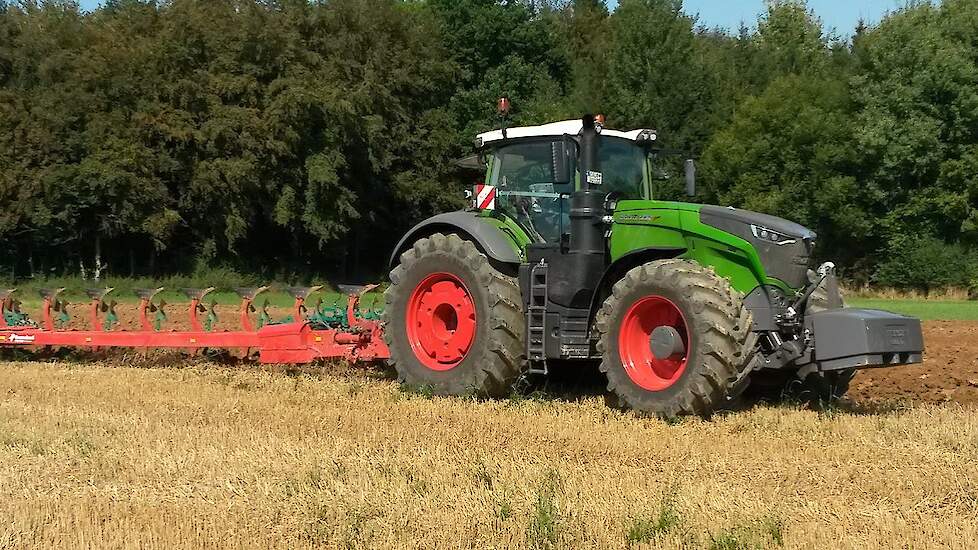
x=949, y=372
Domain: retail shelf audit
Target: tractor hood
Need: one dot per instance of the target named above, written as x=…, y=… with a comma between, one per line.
x=784, y=247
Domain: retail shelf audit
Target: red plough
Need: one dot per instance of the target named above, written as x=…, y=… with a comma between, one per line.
x=302, y=338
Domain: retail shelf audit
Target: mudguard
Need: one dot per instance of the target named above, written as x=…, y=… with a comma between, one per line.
x=490, y=239
x=619, y=267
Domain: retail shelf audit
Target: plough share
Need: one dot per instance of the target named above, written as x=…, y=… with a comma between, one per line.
x=326, y=332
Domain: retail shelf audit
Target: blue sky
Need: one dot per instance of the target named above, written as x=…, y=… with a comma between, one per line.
x=841, y=15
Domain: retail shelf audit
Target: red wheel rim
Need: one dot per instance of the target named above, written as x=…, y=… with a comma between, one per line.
x=634, y=340
x=441, y=321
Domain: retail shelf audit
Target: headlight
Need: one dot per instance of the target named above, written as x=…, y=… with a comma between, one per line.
x=765, y=234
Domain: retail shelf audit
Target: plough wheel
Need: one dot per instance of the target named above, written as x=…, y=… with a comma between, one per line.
x=453, y=322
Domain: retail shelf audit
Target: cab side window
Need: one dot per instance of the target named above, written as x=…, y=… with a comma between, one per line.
x=523, y=174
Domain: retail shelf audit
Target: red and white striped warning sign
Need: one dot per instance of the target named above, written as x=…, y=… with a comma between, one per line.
x=485, y=197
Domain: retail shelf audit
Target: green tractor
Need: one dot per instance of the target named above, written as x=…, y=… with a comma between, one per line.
x=567, y=256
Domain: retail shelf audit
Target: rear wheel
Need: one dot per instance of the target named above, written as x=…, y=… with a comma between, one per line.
x=453, y=322
x=674, y=337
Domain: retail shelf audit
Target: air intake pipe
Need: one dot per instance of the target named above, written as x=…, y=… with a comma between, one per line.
x=587, y=203
x=575, y=274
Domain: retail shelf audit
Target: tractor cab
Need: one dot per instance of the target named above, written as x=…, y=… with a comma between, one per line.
x=534, y=170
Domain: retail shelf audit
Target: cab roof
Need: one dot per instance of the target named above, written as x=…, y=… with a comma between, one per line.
x=564, y=127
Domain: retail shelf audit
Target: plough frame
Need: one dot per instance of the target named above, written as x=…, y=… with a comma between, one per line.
x=297, y=342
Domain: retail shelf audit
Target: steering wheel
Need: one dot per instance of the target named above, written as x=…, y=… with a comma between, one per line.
x=612, y=198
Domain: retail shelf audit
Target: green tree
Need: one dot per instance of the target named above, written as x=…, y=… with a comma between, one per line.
x=788, y=152
x=916, y=94
x=790, y=39
x=500, y=49
x=301, y=137
x=583, y=32
x=651, y=80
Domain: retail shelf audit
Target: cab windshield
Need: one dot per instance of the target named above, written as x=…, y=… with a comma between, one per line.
x=524, y=176
x=623, y=167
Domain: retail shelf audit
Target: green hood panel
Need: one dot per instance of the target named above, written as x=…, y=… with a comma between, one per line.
x=642, y=225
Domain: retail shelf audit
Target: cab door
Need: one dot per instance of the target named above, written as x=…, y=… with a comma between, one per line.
x=527, y=178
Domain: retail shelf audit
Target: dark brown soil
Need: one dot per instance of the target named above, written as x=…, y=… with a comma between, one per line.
x=949, y=372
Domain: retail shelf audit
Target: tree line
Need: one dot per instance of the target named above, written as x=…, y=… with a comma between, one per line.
x=287, y=137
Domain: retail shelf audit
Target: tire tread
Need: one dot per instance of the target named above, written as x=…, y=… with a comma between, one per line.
x=497, y=366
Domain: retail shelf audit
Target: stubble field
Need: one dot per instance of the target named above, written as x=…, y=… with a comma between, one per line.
x=204, y=456
x=169, y=452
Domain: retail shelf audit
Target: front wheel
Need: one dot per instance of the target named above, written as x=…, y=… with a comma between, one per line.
x=674, y=338
x=453, y=323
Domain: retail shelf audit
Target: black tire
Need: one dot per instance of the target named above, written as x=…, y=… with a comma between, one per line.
x=816, y=389
x=720, y=343
x=495, y=358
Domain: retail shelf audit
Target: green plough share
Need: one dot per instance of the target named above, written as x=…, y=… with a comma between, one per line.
x=13, y=317
x=331, y=314
x=210, y=321
x=159, y=316
x=111, y=318
x=62, y=318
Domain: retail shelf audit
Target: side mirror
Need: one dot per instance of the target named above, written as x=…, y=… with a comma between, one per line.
x=690, y=178
x=563, y=161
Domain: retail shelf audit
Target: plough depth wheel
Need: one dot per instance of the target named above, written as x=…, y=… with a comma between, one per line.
x=453, y=321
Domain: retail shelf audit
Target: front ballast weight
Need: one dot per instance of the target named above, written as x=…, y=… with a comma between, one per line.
x=329, y=331
x=831, y=337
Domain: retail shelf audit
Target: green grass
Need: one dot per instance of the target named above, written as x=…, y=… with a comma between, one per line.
x=945, y=310
x=644, y=529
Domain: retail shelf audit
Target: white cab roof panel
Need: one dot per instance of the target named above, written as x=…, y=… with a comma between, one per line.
x=569, y=127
